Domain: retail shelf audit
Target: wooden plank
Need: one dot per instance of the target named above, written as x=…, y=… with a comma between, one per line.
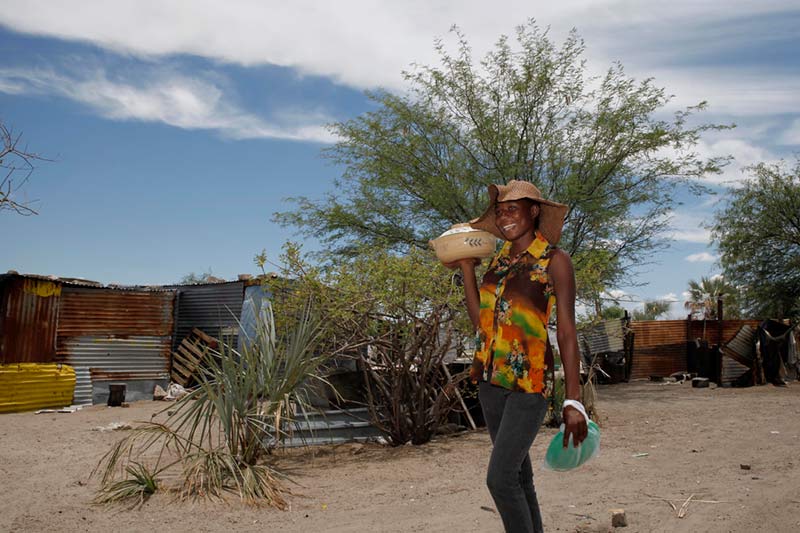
x=208, y=339
x=179, y=365
x=176, y=374
x=189, y=355
x=194, y=349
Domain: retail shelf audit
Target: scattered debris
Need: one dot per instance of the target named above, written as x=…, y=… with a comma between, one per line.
x=775, y=432
x=685, y=507
x=113, y=426
x=680, y=377
x=159, y=393
x=642, y=454
x=70, y=409
x=618, y=518
x=744, y=466
x=175, y=392
x=484, y=508
x=700, y=383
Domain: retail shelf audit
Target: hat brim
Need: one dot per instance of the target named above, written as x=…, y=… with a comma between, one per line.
x=551, y=216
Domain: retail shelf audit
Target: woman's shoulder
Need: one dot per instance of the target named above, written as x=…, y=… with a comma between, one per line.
x=560, y=259
x=558, y=254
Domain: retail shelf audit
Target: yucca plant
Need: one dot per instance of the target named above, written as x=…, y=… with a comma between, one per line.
x=137, y=488
x=215, y=439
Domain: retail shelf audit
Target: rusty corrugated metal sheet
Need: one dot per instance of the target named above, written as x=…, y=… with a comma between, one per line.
x=659, y=332
x=115, y=335
x=659, y=348
x=28, y=319
x=103, y=311
x=711, y=330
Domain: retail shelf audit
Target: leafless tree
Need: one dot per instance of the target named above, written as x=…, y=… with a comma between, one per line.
x=16, y=167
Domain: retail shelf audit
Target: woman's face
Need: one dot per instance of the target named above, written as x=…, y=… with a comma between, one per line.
x=516, y=218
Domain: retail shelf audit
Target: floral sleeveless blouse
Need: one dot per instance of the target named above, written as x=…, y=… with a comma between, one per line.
x=512, y=350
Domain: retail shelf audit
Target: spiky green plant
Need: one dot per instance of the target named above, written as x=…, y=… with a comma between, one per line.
x=215, y=437
x=136, y=489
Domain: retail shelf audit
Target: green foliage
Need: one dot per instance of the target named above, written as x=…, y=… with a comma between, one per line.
x=192, y=278
x=214, y=438
x=613, y=312
x=652, y=310
x=136, y=489
x=758, y=235
x=703, y=295
x=421, y=161
x=396, y=314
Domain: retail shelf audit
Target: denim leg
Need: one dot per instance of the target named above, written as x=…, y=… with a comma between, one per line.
x=513, y=420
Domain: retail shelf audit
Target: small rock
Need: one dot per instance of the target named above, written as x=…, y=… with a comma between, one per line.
x=744, y=466
x=618, y=518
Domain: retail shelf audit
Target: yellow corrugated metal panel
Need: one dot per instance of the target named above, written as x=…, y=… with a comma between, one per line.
x=29, y=386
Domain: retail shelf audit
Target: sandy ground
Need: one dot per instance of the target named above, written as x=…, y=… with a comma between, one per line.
x=694, y=439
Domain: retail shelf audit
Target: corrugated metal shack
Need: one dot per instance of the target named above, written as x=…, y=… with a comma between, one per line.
x=663, y=347
x=106, y=333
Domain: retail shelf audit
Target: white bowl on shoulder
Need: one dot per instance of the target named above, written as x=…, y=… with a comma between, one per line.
x=462, y=241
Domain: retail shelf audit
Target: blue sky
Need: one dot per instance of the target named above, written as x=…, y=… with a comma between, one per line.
x=176, y=128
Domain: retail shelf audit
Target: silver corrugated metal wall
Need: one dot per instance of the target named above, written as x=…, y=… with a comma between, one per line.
x=213, y=308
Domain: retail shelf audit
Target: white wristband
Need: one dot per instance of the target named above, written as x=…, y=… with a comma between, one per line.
x=577, y=406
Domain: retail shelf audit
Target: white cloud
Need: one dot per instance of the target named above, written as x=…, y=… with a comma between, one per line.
x=702, y=257
x=744, y=152
x=669, y=297
x=688, y=227
x=175, y=99
x=791, y=136
x=366, y=43
x=615, y=294
x=731, y=91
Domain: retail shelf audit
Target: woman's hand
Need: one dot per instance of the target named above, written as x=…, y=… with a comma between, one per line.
x=469, y=263
x=575, y=425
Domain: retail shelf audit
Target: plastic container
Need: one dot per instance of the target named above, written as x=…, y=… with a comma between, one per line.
x=462, y=241
x=561, y=459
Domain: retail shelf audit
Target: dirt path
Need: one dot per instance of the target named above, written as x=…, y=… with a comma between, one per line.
x=694, y=439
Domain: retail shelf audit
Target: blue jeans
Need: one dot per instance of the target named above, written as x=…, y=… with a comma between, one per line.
x=513, y=419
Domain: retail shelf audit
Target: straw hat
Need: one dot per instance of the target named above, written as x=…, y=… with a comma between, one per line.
x=551, y=214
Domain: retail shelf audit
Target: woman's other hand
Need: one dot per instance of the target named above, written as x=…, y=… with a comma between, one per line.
x=575, y=425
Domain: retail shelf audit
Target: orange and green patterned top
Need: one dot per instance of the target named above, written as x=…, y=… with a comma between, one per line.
x=512, y=350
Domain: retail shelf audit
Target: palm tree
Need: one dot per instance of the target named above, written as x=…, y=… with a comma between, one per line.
x=702, y=302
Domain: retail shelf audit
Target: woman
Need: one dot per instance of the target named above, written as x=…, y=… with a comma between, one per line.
x=513, y=361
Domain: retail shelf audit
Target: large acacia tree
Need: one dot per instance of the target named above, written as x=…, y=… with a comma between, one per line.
x=758, y=234
x=605, y=146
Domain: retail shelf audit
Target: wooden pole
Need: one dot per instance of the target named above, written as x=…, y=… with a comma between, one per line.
x=458, y=395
